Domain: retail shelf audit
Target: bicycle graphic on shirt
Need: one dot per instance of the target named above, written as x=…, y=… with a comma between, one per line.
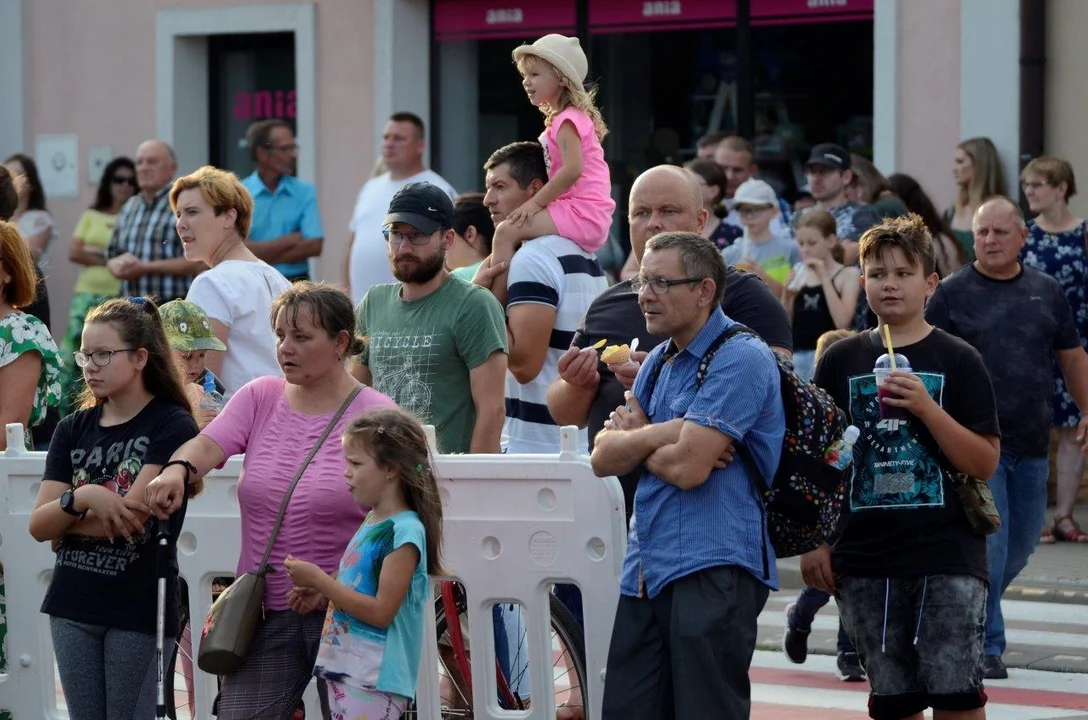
x=406, y=386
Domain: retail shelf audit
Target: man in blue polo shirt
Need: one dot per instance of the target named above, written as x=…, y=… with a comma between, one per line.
x=699, y=564
x=286, y=230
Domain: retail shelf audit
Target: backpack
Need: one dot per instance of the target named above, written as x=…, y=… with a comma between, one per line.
x=803, y=502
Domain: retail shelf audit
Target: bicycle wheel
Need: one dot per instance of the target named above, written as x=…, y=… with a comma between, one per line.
x=568, y=665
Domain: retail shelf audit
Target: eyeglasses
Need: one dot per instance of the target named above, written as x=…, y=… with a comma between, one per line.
x=396, y=237
x=122, y=180
x=660, y=286
x=101, y=358
x=1033, y=185
x=289, y=148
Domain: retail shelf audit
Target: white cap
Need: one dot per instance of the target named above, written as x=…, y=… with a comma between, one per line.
x=850, y=435
x=755, y=192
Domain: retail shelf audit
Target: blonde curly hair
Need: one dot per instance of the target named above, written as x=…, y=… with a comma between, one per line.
x=571, y=95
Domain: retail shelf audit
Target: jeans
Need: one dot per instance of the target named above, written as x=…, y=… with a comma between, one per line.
x=804, y=612
x=1019, y=488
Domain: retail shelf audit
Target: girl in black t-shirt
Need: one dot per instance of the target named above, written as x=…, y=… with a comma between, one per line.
x=102, y=597
x=825, y=297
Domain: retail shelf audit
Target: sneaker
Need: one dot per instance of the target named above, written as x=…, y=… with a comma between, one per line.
x=994, y=669
x=794, y=640
x=849, y=667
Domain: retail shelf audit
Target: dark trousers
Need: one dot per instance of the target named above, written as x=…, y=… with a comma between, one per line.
x=685, y=653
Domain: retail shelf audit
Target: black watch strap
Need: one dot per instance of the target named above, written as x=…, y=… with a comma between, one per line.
x=190, y=469
x=68, y=504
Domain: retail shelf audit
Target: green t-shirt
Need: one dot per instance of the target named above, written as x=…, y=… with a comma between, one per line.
x=95, y=229
x=420, y=352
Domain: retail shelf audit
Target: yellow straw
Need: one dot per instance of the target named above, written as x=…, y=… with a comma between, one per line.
x=888, y=342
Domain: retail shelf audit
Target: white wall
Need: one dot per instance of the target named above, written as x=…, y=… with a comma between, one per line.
x=990, y=77
x=12, y=127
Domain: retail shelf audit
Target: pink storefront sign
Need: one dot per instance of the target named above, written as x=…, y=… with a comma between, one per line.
x=620, y=16
x=795, y=12
x=486, y=19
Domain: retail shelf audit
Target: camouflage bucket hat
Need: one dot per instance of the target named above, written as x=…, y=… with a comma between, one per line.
x=188, y=327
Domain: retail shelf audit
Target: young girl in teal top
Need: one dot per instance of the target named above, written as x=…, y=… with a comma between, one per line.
x=372, y=640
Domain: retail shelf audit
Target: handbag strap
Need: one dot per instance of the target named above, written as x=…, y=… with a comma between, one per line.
x=263, y=568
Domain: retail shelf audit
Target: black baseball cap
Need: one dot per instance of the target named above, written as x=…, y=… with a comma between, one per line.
x=829, y=155
x=424, y=206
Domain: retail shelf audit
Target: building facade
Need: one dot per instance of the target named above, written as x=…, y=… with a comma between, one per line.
x=903, y=81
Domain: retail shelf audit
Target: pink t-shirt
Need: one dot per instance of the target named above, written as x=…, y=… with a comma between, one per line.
x=322, y=516
x=584, y=212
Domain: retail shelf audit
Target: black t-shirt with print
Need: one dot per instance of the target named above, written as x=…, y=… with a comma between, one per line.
x=114, y=583
x=615, y=316
x=1016, y=325
x=902, y=518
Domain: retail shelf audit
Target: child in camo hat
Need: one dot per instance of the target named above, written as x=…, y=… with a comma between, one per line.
x=190, y=335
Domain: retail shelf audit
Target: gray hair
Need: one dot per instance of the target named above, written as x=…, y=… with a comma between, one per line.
x=699, y=257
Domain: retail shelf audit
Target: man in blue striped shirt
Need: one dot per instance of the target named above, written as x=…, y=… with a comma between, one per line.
x=694, y=579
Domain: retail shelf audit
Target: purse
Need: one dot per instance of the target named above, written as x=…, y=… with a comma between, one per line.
x=977, y=501
x=233, y=617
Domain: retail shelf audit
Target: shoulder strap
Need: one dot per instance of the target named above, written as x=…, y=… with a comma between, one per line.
x=704, y=363
x=263, y=568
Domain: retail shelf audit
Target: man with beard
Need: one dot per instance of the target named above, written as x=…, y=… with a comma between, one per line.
x=436, y=344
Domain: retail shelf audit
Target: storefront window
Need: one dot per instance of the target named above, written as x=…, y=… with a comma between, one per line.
x=668, y=72
x=251, y=78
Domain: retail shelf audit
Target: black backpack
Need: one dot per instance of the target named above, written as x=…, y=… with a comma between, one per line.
x=803, y=502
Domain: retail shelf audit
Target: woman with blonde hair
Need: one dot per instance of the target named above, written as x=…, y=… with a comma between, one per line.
x=214, y=212
x=1056, y=245
x=979, y=177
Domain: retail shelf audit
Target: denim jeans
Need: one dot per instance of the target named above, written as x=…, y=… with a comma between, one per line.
x=804, y=612
x=1019, y=488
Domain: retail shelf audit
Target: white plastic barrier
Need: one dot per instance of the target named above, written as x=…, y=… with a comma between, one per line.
x=514, y=526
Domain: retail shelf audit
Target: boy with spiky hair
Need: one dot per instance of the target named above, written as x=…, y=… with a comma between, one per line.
x=909, y=574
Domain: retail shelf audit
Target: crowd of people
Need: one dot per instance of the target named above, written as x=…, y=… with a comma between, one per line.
x=195, y=334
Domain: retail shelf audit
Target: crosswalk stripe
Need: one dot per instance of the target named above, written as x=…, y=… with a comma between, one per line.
x=780, y=688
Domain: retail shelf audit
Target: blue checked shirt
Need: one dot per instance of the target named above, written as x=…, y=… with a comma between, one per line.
x=675, y=532
x=291, y=208
x=146, y=229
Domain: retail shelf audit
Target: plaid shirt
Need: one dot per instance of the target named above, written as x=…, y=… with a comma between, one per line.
x=146, y=229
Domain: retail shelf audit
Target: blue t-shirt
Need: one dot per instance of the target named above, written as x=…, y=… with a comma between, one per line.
x=675, y=532
x=356, y=653
x=292, y=207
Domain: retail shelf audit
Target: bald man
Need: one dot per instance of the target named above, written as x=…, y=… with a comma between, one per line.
x=1018, y=318
x=145, y=251
x=665, y=198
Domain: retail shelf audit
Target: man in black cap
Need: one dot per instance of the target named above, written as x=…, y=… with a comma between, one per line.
x=436, y=343
x=828, y=174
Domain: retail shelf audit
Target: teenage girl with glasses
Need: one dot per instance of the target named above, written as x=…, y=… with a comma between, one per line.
x=101, y=600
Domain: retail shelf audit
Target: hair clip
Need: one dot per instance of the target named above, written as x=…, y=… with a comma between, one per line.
x=380, y=430
x=419, y=467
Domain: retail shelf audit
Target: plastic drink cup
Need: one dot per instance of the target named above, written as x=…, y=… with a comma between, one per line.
x=882, y=370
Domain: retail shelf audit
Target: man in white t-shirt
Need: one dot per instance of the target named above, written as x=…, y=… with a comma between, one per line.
x=551, y=284
x=402, y=152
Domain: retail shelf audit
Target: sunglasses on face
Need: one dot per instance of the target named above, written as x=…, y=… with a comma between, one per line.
x=124, y=180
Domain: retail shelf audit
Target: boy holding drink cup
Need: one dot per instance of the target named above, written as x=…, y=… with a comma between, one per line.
x=909, y=575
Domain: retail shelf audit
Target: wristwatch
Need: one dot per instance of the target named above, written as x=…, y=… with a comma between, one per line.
x=68, y=501
x=190, y=469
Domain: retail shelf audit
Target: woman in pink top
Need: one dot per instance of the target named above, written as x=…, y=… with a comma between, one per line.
x=576, y=202
x=275, y=421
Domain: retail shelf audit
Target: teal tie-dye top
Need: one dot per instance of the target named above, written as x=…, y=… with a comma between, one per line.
x=356, y=653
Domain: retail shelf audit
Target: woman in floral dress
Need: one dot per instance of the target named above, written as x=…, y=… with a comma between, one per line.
x=29, y=364
x=1056, y=246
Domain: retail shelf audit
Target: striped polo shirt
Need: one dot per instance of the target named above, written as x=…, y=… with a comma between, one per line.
x=550, y=271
